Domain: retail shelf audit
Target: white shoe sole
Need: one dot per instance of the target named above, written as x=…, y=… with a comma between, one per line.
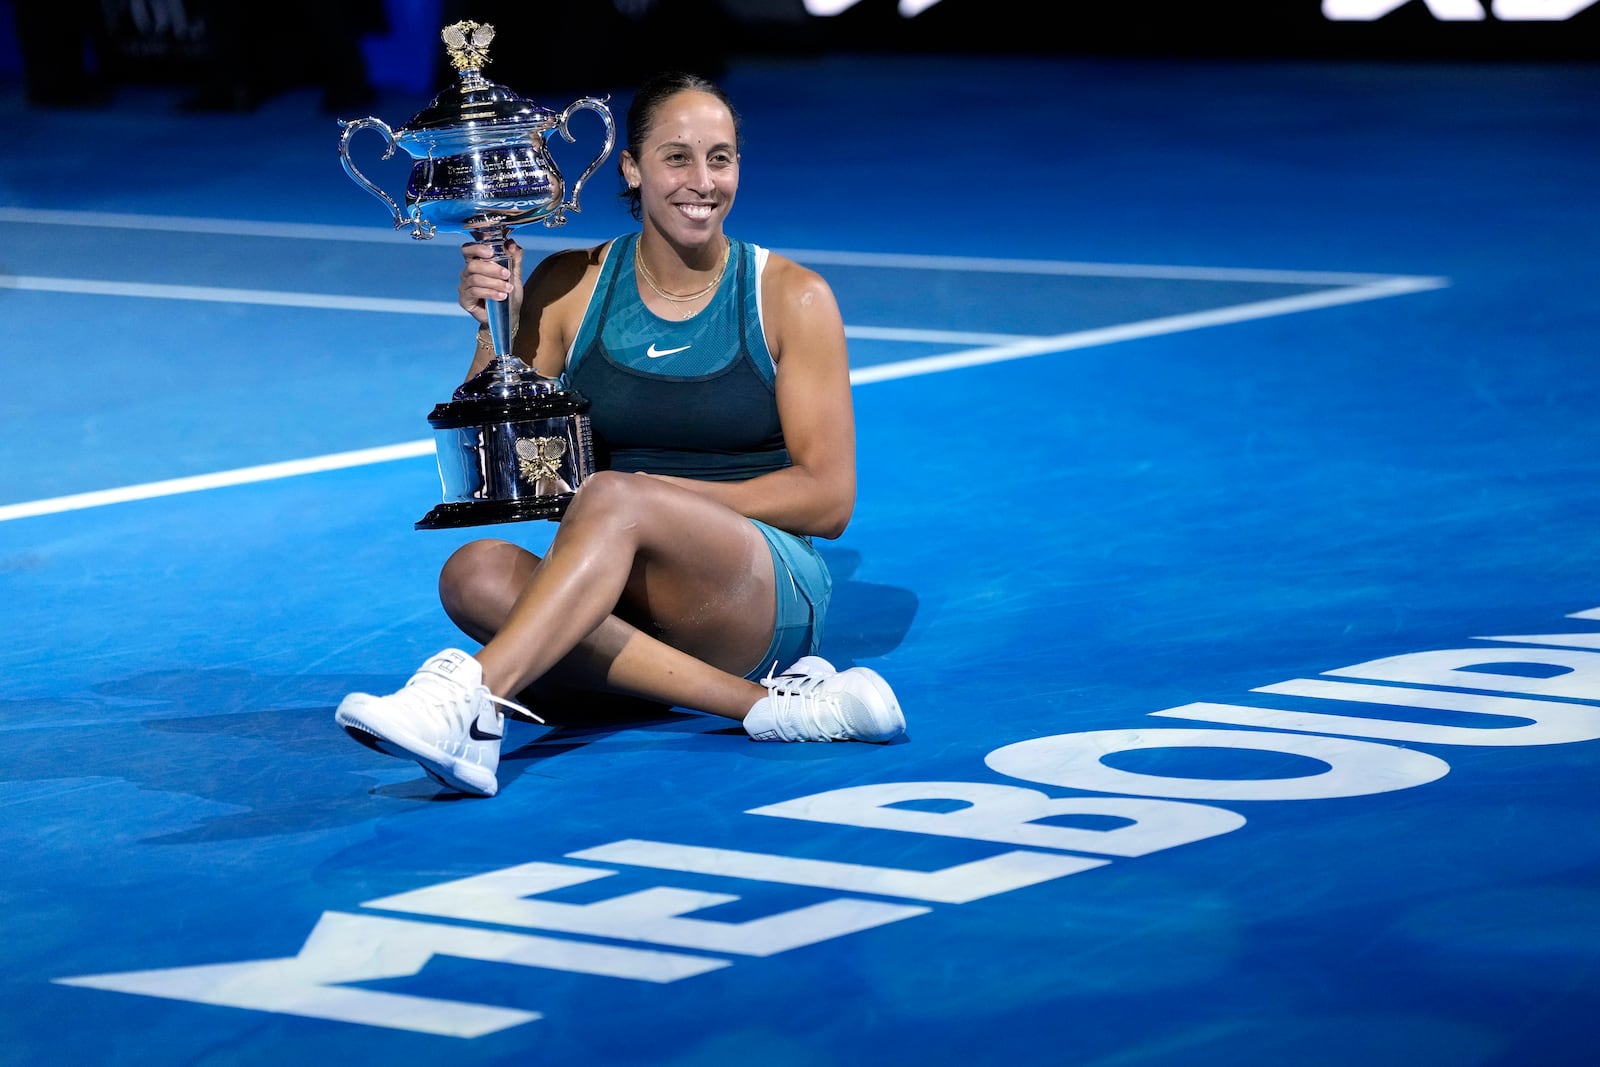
x=449, y=770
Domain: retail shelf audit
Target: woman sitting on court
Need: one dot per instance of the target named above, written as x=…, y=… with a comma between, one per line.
x=684, y=572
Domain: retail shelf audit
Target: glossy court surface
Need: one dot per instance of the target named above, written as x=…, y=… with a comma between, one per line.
x=1227, y=526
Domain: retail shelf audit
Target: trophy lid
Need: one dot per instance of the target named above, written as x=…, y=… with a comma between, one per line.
x=475, y=111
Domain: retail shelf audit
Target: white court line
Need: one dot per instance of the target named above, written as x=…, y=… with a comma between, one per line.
x=295, y=231
x=1019, y=349
x=243, y=476
x=910, y=261
x=441, y=308
x=219, y=295
x=1149, y=328
x=532, y=239
x=997, y=347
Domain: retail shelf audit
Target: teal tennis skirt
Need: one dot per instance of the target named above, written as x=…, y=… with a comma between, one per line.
x=804, y=587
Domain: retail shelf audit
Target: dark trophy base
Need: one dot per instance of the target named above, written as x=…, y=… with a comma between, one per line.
x=509, y=458
x=488, y=512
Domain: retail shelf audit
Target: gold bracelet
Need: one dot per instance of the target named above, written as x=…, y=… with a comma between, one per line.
x=485, y=338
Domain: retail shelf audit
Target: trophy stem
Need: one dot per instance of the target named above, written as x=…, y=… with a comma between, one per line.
x=499, y=310
x=506, y=375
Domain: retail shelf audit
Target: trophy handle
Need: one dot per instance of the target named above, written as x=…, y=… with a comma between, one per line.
x=588, y=103
x=350, y=129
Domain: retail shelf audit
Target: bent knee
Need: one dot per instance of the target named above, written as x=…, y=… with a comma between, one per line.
x=476, y=571
x=609, y=493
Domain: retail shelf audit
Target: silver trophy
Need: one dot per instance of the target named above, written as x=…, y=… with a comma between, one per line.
x=512, y=443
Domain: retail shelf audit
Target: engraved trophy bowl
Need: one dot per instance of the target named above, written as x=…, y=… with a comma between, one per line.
x=512, y=444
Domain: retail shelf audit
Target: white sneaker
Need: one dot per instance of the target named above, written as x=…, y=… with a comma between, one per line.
x=445, y=718
x=813, y=702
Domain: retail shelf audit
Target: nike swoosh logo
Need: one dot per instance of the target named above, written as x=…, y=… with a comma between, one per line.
x=479, y=735
x=656, y=353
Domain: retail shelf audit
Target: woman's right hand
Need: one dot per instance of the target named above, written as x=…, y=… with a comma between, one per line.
x=482, y=279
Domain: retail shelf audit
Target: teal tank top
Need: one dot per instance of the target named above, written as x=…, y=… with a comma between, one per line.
x=694, y=398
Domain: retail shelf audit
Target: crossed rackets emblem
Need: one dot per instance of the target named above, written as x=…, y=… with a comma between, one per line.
x=539, y=461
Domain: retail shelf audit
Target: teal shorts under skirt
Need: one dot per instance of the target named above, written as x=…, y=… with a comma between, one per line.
x=804, y=588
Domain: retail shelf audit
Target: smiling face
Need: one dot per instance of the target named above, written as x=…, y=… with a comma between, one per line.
x=687, y=168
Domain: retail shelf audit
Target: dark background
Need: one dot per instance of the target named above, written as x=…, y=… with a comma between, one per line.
x=238, y=52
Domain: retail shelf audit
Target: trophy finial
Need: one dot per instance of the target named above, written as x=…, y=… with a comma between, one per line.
x=467, y=44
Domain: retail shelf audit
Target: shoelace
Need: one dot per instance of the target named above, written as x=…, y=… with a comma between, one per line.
x=442, y=695
x=504, y=703
x=789, y=690
x=787, y=683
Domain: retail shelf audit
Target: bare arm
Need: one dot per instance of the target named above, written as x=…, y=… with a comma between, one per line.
x=816, y=495
x=545, y=310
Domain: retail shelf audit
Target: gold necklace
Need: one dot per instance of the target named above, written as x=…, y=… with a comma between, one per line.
x=644, y=271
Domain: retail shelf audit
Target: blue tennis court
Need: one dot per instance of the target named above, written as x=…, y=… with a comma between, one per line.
x=1227, y=527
